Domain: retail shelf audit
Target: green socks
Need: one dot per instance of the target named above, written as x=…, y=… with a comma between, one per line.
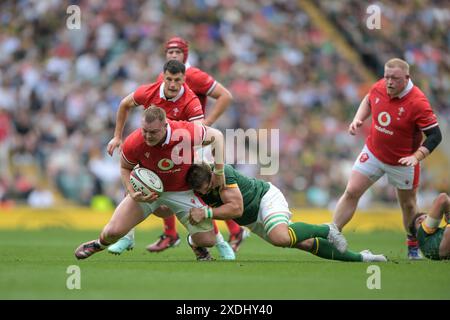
x=300, y=231
x=322, y=248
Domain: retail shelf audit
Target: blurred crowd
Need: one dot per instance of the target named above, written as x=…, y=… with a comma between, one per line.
x=60, y=88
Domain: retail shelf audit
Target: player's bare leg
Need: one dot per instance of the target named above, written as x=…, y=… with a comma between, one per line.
x=126, y=216
x=199, y=242
x=347, y=204
x=407, y=201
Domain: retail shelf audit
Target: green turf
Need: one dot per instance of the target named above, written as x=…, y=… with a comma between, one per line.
x=33, y=265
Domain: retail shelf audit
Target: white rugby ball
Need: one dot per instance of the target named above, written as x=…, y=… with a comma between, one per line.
x=145, y=180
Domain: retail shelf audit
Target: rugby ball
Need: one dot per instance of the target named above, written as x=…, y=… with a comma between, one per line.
x=146, y=181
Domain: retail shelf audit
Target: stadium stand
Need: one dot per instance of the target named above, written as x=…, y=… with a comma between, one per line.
x=292, y=65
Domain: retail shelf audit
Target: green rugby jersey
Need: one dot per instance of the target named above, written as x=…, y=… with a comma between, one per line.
x=429, y=243
x=252, y=191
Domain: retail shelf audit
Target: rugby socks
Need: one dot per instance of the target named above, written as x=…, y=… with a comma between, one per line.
x=412, y=241
x=130, y=235
x=219, y=238
x=322, y=248
x=102, y=243
x=170, y=229
x=216, y=230
x=300, y=231
x=233, y=227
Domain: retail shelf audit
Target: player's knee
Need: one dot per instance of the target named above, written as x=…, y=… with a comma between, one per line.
x=352, y=193
x=280, y=239
x=204, y=239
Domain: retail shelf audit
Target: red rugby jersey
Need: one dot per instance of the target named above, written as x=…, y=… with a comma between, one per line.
x=200, y=82
x=171, y=160
x=185, y=106
x=397, y=123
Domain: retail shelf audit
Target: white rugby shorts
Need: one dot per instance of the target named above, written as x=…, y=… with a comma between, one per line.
x=401, y=177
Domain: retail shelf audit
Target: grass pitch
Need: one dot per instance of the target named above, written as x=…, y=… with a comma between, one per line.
x=34, y=264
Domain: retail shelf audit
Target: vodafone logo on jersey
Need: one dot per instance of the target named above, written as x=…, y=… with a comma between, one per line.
x=165, y=164
x=384, y=119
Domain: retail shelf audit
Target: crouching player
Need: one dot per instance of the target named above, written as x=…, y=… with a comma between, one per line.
x=434, y=242
x=262, y=208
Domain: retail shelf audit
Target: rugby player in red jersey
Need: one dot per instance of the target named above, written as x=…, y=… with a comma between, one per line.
x=179, y=102
x=401, y=114
x=161, y=141
x=203, y=85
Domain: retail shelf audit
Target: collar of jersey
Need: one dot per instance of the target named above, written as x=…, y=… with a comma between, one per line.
x=407, y=89
x=174, y=99
x=168, y=135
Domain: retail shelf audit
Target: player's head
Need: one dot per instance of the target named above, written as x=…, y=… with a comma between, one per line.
x=200, y=178
x=177, y=49
x=396, y=74
x=154, y=125
x=174, y=76
x=415, y=222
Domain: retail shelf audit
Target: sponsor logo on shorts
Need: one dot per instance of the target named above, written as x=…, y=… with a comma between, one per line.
x=364, y=157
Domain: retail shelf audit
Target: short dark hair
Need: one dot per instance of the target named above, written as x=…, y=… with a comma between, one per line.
x=198, y=174
x=412, y=226
x=174, y=67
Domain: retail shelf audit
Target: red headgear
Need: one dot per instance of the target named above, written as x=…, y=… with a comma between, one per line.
x=180, y=43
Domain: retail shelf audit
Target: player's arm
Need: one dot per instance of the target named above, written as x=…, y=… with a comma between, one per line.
x=223, y=100
x=432, y=140
x=361, y=115
x=233, y=207
x=215, y=138
x=125, y=170
x=440, y=208
x=121, y=117
x=233, y=204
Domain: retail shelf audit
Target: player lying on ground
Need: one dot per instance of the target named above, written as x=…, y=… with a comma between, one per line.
x=434, y=242
x=262, y=208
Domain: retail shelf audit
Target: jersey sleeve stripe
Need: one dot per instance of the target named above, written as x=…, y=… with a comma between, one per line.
x=234, y=185
x=196, y=117
x=430, y=126
x=134, y=101
x=211, y=89
x=125, y=158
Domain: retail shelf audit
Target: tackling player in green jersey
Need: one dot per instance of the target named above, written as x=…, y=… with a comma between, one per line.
x=434, y=242
x=261, y=207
